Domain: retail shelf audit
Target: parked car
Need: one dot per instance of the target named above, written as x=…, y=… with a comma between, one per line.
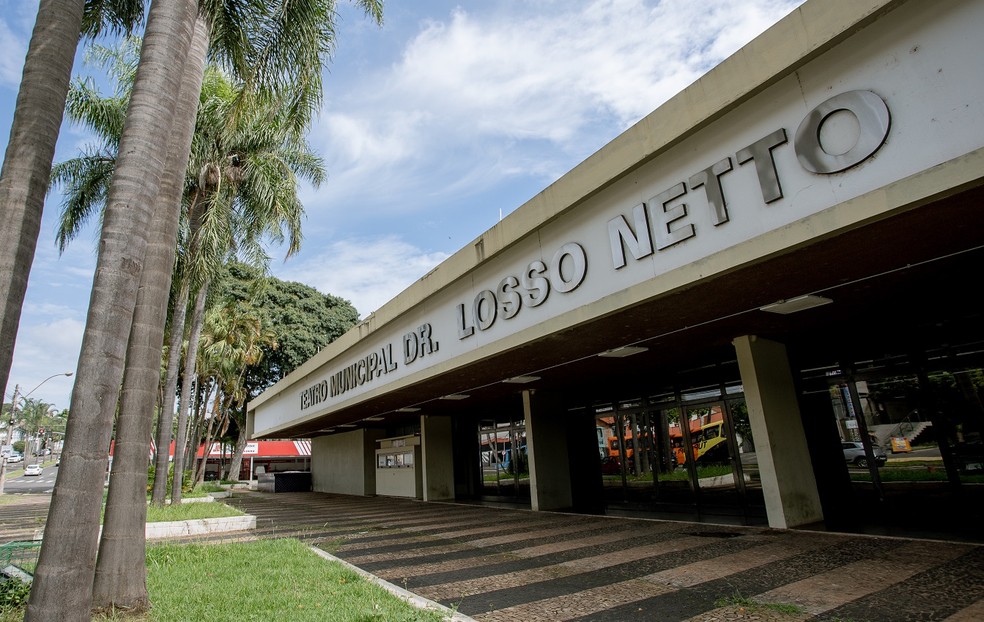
x=854, y=453
x=33, y=469
x=12, y=458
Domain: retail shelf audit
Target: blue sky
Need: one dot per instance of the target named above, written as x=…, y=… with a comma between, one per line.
x=449, y=116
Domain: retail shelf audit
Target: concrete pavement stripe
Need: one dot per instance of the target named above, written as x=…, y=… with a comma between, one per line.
x=624, y=549
x=707, y=570
x=547, y=541
x=566, y=545
x=519, y=535
x=688, y=602
x=940, y=591
x=828, y=590
x=587, y=580
x=577, y=604
x=520, y=578
x=973, y=613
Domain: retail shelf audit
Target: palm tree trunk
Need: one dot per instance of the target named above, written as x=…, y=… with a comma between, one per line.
x=237, y=459
x=166, y=415
x=27, y=161
x=62, y=586
x=191, y=356
x=178, y=320
x=121, y=574
x=196, y=425
x=207, y=444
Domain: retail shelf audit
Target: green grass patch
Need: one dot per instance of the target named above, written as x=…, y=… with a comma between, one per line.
x=737, y=600
x=914, y=474
x=265, y=580
x=190, y=511
x=677, y=475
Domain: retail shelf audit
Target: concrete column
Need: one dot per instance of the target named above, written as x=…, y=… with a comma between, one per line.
x=437, y=458
x=791, y=496
x=546, y=448
x=345, y=463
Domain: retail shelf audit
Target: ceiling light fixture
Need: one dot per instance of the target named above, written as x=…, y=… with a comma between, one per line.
x=521, y=379
x=373, y=419
x=624, y=351
x=455, y=396
x=801, y=303
x=407, y=409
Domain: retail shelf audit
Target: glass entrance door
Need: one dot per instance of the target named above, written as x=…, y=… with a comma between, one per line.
x=670, y=456
x=718, y=453
x=504, y=464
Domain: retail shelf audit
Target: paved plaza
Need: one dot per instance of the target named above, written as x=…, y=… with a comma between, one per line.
x=495, y=564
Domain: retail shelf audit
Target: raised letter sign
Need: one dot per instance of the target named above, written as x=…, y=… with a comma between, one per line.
x=873, y=120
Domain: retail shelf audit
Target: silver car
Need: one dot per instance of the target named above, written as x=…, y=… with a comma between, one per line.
x=854, y=453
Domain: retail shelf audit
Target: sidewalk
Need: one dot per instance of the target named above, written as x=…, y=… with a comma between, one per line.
x=496, y=564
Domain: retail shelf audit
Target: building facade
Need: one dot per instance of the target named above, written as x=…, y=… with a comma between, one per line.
x=729, y=313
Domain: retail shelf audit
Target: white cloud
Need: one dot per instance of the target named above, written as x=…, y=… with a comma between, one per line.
x=368, y=272
x=48, y=342
x=16, y=24
x=478, y=90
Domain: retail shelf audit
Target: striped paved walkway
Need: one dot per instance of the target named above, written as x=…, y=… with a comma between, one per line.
x=498, y=564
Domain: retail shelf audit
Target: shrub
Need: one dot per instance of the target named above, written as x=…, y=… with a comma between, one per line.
x=13, y=593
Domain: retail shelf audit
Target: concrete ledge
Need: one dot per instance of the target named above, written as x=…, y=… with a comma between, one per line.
x=197, y=499
x=198, y=527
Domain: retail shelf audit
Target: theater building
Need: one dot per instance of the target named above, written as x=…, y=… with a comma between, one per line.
x=730, y=313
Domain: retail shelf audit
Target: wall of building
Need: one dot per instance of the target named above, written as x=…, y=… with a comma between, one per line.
x=345, y=463
x=630, y=239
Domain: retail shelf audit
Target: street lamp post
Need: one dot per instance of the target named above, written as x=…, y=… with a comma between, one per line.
x=13, y=419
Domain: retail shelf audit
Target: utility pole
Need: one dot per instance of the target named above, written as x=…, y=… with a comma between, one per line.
x=9, y=439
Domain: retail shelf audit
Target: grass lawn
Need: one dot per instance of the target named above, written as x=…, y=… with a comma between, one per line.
x=257, y=581
x=264, y=580
x=189, y=511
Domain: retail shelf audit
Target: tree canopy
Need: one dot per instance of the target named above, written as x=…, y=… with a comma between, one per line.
x=303, y=320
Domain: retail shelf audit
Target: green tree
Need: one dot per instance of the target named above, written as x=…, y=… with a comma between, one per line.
x=234, y=338
x=33, y=416
x=303, y=320
x=290, y=60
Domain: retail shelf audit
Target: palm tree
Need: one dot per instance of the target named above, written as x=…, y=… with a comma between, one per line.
x=33, y=134
x=290, y=60
x=62, y=586
x=259, y=167
x=288, y=20
x=233, y=339
x=33, y=415
x=247, y=189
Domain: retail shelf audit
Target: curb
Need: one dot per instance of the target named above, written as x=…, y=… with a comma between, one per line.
x=201, y=526
x=417, y=601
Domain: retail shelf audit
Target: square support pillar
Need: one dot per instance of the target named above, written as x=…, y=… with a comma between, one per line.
x=438, y=458
x=546, y=447
x=345, y=463
x=788, y=483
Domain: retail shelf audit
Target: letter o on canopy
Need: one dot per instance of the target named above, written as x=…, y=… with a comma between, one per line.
x=873, y=119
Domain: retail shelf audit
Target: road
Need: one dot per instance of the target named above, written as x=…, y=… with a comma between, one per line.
x=30, y=484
